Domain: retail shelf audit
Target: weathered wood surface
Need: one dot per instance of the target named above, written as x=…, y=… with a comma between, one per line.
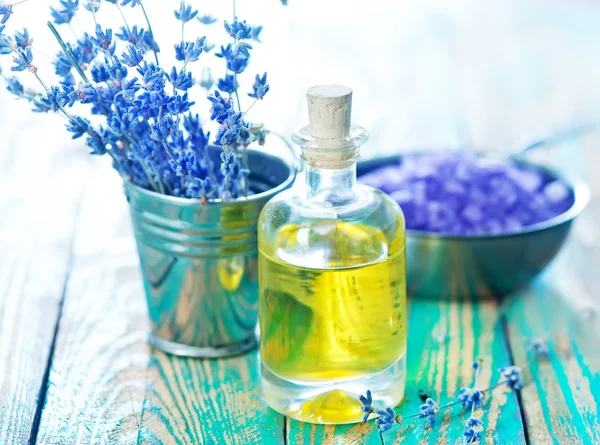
x=105, y=384
x=561, y=400
x=39, y=202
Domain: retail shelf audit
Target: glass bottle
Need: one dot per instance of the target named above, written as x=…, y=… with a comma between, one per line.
x=332, y=279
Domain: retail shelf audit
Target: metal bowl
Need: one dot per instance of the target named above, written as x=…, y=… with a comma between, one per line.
x=483, y=266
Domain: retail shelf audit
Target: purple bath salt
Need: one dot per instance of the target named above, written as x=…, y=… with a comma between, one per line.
x=466, y=194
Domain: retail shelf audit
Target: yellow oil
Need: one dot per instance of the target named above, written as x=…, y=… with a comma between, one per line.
x=332, y=324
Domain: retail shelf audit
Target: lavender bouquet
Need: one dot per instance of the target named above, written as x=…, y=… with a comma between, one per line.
x=141, y=112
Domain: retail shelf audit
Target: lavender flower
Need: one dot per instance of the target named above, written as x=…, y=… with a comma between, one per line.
x=47, y=102
x=220, y=107
x=238, y=63
x=78, y=126
x=103, y=39
x=429, y=409
x=23, y=60
x=5, y=11
x=6, y=44
x=206, y=79
x=226, y=52
x=367, y=405
x=539, y=347
x=474, y=422
x=181, y=80
x=189, y=51
x=100, y=73
x=97, y=144
x=230, y=129
x=22, y=39
x=514, y=377
x=260, y=87
x=179, y=104
x=256, y=30
x=85, y=93
x=228, y=84
x=471, y=398
x=150, y=42
x=15, y=87
x=185, y=13
x=129, y=88
x=145, y=135
x=239, y=30
x=386, y=420
x=161, y=130
x=471, y=435
x=132, y=58
x=92, y=5
x=206, y=19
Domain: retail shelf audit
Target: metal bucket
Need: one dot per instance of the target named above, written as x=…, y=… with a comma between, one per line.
x=199, y=263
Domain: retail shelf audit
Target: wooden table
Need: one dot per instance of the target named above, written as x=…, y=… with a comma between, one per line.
x=75, y=366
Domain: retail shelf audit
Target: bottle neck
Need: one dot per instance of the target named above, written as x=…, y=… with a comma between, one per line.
x=333, y=185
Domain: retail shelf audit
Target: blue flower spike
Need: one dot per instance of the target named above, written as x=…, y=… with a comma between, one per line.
x=65, y=14
x=513, y=376
x=220, y=107
x=189, y=51
x=15, y=87
x=429, y=409
x=367, y=405
x=471, y=435
x=23, y=60
x=386, y=419
x=103, y=39
x=260, y=87
x=185, y=13
x=473, y=429
x=92, y=5
x=5, y=11
x=133, y=57
x=470, y=398
x=239, y=30
x=228, y=84
x=539, y=347
x=474, y=422
x=22, y=39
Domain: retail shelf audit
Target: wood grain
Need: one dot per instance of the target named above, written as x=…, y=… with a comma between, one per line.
x=440, y=368
x=562, y=398
x=208, y=402
x=38, y=209
x=100, y=368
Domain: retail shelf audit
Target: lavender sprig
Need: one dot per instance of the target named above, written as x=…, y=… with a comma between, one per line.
x=469, y=398
x=150, y=132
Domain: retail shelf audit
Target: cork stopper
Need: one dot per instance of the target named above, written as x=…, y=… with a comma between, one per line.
x=329, y=111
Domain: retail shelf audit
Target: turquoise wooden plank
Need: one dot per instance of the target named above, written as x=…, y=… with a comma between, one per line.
x=561, y=402
x=38, y=212
x=100, y=369
x=208, y=401
x=440, y=368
